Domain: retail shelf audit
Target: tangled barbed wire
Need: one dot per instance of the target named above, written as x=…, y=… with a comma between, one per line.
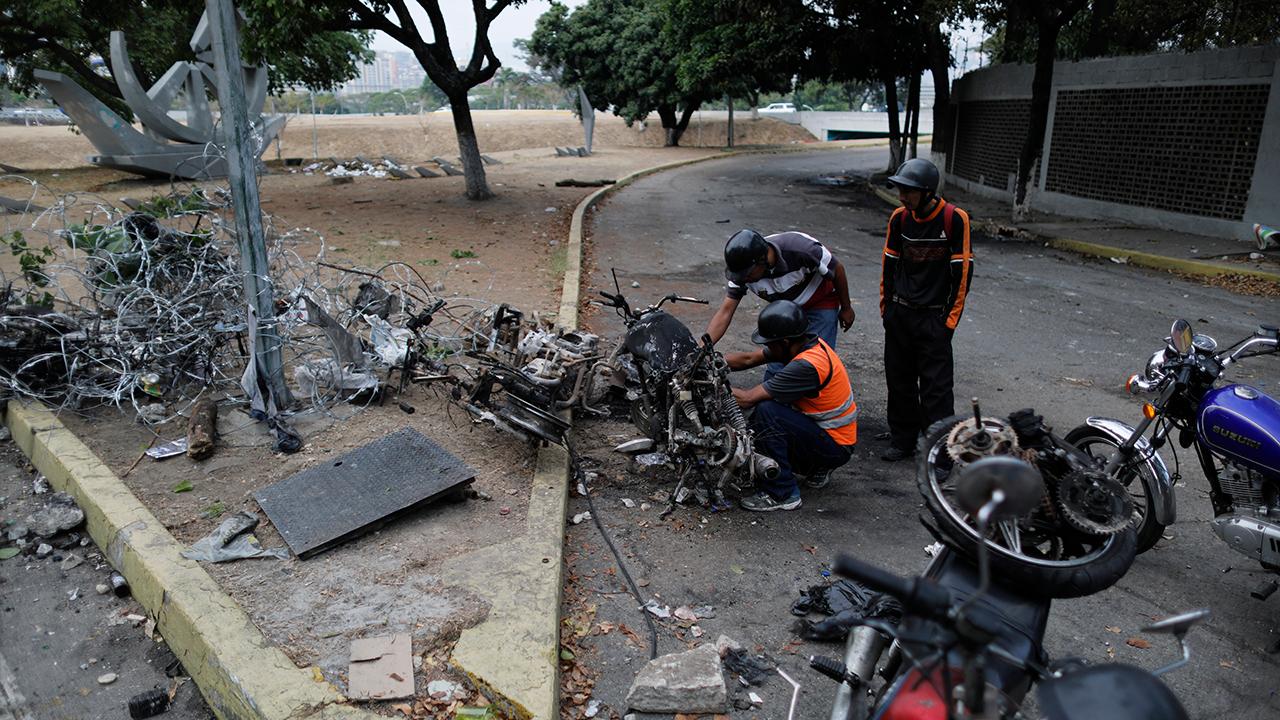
x=146, y=308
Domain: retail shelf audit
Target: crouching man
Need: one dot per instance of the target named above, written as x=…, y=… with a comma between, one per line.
x=804, y=415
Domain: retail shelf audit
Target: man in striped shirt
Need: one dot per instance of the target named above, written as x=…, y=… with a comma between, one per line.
x=927, y=268
x=785, y=266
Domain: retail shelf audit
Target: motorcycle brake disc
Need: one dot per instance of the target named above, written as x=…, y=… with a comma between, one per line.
x=967, y=442
x=1093, y=503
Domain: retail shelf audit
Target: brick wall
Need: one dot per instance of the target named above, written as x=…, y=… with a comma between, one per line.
x=1188, y=148
x=1178, y=140
x=989, y=136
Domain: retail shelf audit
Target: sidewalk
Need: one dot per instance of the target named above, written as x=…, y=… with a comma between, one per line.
x=1156, y=248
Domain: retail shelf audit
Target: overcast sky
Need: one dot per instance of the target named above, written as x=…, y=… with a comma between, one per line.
x=512, y=23
x=518, y=22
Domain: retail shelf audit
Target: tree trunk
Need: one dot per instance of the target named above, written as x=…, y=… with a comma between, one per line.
x=1041, y=85
x=667, y=114
x=469, y=148
x=895, y=134
x=913, y=109
x=940, y=66
x=1099, y=28
x=1015, y=32
x=753, y=97
x=729, y=101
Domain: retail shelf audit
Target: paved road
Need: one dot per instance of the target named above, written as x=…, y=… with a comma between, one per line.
x=58, y=636
x=1042, y=329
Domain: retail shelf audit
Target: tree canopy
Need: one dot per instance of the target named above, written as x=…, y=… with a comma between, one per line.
x=69, y=35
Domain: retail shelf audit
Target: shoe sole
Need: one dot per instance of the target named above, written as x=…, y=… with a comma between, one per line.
x=780, y=506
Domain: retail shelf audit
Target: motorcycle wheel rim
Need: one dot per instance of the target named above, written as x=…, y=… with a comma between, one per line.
x=1008, y=532
x=1136, y=487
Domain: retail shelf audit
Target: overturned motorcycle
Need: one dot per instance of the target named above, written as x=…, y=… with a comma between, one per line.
x=680, y=400
x=968, y=647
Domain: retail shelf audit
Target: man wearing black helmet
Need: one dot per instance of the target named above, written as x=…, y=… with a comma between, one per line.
x=804, y=415
x=927, y=268
x=785, y=266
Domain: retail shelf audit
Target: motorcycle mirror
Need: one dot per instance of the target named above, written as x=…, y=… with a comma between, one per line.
x=1178, y=624
x=1180, y=336
x=1018, y=483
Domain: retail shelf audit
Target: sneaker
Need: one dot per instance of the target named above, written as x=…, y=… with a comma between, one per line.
x=764, y=502
x=819, y=479
x=894, y=454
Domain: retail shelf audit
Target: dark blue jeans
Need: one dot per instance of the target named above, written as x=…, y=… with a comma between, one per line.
x=824, y=322
x=797, y=444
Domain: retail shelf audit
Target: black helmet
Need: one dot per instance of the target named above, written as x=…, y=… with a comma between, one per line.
x=917, y=174
x=744, y=250
x=780, y=320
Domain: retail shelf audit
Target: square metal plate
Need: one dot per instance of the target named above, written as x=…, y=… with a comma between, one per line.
x=348, y=496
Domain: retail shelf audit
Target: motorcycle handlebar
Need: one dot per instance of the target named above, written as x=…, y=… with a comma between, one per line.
x=916, y=594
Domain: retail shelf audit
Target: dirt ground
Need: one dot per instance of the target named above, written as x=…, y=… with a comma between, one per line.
x=419, y=137
x=386, y=581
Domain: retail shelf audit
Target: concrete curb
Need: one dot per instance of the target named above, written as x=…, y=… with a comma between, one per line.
x=240, y=674
x=1198, y=268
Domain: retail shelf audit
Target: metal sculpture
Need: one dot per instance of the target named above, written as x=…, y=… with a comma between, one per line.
x=166, y=148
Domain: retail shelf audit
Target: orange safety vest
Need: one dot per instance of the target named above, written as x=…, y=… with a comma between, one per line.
x=833, y=409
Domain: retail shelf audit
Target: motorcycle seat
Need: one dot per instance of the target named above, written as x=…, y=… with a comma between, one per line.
x=1108, y=692
x=1020, y=625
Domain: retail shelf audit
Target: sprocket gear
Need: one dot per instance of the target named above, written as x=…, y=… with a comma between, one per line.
x=968, y=443
x=1093, y=503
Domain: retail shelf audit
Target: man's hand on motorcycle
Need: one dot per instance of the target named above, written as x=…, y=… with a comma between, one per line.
x=846, y=318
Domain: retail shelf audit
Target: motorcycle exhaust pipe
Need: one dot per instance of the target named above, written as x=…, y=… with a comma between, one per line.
x=765, y=467
x=861, y=653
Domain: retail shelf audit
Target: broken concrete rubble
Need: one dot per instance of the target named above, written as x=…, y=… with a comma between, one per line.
x=688, y=682
x=59, y=514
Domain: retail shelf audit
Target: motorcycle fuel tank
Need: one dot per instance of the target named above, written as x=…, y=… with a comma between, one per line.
x=661, y=340
x=1242, y=423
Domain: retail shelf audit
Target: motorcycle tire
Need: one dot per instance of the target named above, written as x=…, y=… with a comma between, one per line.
x=1043, y=578
x=1149, y=530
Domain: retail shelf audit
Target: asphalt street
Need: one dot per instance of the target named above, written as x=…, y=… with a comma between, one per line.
x=66, y=651
x=1042, y=329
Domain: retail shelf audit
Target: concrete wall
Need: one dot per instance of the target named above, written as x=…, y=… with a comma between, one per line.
x=1195, y=124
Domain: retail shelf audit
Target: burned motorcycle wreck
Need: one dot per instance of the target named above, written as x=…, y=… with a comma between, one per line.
x=679, y=398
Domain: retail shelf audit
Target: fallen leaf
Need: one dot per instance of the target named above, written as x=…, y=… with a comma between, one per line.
x=1138, y=643
x=606, y=628
x=404, y=708
x=6, y=553
x=1227, y=664
x=631, y=635
x=184, y=486
x=737, y=569
x=397, y=677
x=566, y=654
x=1112, y=629
x=811, y=549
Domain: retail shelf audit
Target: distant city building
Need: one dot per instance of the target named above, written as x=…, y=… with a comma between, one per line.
x=388, y=71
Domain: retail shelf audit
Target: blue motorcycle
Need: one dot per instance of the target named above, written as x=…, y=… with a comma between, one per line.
x=1235, y=430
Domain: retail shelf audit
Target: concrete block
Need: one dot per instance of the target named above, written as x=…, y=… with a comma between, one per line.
x=424, y=172
x=688, y=682
x=451, y=170
x=396, y=172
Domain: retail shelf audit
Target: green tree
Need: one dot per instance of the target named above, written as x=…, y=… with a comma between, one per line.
x=436, y=55
x=65, y=36
x=617, y=52
x=738, y=48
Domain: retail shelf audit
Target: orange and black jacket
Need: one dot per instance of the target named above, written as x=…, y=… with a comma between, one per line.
x=928, y=263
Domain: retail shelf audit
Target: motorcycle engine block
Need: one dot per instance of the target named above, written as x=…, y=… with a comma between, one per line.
x=1247, y=488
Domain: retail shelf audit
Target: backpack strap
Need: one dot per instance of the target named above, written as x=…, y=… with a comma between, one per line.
x=948, y=213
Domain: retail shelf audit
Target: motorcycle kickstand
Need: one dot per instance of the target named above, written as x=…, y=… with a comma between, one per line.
x=675, y=494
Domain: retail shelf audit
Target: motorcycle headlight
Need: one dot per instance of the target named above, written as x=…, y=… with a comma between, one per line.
x=1155, y=366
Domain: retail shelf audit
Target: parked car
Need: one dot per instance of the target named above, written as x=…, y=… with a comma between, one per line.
x=783, y=107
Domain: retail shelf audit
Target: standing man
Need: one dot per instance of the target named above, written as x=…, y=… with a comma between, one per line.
x=805, y=417
x=785, y=266
x=927, y=268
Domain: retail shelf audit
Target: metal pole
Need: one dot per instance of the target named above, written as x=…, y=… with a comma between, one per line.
x=315, y=136
x=242, y=165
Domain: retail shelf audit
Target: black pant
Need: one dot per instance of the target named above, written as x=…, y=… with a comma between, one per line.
x=918, y=369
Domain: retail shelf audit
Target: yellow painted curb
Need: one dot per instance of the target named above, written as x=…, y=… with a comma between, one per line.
x=1159, y=262
x=239, y=673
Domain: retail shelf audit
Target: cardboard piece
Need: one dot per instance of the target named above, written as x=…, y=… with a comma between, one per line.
x=381, y=668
